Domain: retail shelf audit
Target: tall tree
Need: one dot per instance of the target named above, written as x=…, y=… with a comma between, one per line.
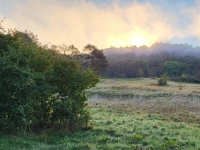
x=98, y=60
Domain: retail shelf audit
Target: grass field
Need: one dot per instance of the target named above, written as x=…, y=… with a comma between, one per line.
x=144, y=95
x=128, y=114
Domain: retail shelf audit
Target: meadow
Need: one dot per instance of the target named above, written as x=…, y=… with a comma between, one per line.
x=176, y=101
x=128, y=114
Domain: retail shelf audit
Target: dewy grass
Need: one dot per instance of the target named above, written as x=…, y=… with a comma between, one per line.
x=114, y=130
x=167, y=119
x=144, y=87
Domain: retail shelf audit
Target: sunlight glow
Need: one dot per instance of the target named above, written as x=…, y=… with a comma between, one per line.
x=137, y=39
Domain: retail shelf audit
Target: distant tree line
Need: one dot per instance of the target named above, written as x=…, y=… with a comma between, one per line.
x=141, y=61
x=178, y=68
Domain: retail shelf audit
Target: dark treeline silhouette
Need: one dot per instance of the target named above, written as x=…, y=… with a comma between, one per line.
x=182, y=64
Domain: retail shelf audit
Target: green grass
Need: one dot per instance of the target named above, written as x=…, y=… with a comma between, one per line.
x=144, y=87
x=114, y=130
x=121, y=123
x=144, y=95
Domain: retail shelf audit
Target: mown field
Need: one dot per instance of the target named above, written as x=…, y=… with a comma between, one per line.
x=128, y=114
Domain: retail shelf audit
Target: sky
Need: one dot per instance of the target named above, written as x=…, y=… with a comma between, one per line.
x=105, y=23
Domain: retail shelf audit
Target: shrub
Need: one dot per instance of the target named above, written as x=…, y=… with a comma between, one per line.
x=163, y=80
x=40, y=88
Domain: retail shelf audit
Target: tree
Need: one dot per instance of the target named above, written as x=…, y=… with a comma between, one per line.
x=98, y=60
x=140, y=73
x=174, y=68
x=142, y=68
x=89, y=48
x=73, y=50
x=70, y=50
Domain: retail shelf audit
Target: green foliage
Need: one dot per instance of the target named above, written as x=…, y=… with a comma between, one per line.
x=128, y=68
x=121, y=124
x=174, y=68
x=40, y=88
x=131, y=131
x=130, y=65
x=98, y=60
x=163, y=80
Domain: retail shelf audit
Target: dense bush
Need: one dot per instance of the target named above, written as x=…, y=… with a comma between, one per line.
x=163, y=80
x=40, y=88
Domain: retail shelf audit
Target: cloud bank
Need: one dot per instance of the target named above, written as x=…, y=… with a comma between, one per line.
x=80, y=22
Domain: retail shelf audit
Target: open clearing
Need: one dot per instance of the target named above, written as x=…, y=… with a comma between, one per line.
x=128, y=114
x=176, y=101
